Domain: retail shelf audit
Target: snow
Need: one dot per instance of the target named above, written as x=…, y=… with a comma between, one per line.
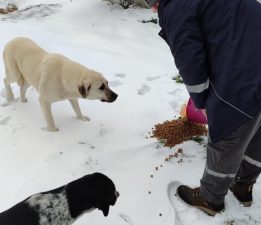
x=116, y=142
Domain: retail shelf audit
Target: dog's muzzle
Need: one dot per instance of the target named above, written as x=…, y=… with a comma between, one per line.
x=115, y=197
x=111, y=97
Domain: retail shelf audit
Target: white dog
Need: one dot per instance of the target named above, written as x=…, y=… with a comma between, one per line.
x=54, y=76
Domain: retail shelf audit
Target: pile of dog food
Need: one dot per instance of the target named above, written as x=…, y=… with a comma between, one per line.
x=177, y=131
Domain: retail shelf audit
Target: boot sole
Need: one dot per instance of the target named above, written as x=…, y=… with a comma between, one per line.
x=203, y=209
x=208, y=211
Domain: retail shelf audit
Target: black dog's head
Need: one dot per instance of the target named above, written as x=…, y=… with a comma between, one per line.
x=91, y=191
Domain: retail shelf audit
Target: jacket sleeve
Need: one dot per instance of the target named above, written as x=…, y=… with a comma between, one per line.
x=182, y=33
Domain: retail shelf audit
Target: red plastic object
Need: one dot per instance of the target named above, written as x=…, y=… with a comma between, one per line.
x=194, y=114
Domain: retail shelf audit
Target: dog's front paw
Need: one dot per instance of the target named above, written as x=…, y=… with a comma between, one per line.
x=23, y=100
x=84, y=118
x=10, y=98
x=52, y=129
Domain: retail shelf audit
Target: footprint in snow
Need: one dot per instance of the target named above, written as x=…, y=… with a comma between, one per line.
x=32, y=12
x=115, y=83
x=85, y=143
x=176, y=106
x=125, y=218
x=91, y=163
x=121, y=75
x=101, y=132
x=175, y=92
x=152, y=78
x=5, y=120
x=143, y=89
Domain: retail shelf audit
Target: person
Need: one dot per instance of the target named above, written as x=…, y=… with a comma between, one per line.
x=216, y=47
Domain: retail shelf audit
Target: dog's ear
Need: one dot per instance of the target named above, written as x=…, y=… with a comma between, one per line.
x=84, y=89
x=102, y=203
x=104, y=207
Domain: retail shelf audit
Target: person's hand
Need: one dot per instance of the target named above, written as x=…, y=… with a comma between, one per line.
x=155, y=7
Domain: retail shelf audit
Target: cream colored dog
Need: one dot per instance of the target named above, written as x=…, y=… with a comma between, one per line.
x=54, y=76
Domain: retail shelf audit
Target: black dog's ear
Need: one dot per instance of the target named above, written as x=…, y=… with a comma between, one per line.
x=84, y=89
x=103, y=205
x=105, y=209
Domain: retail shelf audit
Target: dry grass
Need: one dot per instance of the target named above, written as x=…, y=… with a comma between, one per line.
x=10, y=8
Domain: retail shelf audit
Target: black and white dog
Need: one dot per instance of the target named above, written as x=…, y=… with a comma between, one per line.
x=62, y=206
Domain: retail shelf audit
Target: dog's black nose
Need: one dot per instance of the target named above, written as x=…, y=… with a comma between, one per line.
x=114, y=96
x=117, y=194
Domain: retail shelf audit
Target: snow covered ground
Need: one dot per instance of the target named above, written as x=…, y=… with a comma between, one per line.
x=140, y=69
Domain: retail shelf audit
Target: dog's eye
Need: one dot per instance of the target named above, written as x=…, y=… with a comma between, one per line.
x=102, y=87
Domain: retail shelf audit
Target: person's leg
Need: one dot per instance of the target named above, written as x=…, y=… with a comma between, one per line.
x=248, y=172
x=223, y=162
x=251, y=165
x=224, y=159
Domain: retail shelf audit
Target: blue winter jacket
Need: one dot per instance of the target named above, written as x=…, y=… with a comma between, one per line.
x=216, y=46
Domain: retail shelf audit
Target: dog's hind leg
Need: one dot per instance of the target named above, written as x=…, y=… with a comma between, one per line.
x=13, y=74
x=46, y=108
x=23, y=89
x=8, y=89
x=7, y=80
x=77, y=110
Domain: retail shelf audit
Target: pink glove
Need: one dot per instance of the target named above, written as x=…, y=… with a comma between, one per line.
x=194, y=114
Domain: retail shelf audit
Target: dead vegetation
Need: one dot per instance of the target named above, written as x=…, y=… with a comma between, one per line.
x=9, y=9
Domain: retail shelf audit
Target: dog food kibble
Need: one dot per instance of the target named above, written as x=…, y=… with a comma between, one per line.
x=180, y=151
x=177, y=131
x=177, y=154
x=180, y=161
